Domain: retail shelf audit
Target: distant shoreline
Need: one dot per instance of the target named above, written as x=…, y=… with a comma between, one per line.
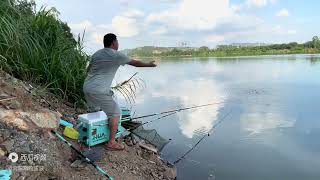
x=226, y=57
x=310, y=47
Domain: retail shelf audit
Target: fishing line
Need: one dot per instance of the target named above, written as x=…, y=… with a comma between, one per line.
x=177, y=110
x=167, y=115
x=208, y=134
x=173, y=112
x=170, y=114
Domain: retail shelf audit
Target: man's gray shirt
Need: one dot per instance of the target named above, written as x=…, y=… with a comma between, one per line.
x=104, y=65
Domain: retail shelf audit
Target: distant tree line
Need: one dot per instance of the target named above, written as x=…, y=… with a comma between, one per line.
x=309, y=47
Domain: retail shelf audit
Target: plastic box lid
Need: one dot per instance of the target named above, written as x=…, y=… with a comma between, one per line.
x=91, y=118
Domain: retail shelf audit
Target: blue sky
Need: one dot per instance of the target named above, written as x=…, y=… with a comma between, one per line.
x=196, y=22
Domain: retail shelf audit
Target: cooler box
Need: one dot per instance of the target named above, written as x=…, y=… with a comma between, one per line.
x=94, y=129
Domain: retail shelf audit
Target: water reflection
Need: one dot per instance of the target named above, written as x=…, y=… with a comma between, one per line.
x=172, y=82
x=314, y=60
x=257, y=123
x=201, y=93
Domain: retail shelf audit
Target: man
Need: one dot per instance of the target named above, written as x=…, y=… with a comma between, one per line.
x=97, y=86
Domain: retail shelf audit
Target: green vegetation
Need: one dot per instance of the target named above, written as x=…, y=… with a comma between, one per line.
x=310, y=47
x=38, y=47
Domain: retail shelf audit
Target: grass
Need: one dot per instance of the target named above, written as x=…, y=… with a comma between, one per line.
x=129, y=88
x=38, y=47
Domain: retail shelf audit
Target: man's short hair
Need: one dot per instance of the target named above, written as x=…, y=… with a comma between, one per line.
x=108, y=39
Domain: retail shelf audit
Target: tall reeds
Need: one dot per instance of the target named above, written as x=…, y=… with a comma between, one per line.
x=38, y=47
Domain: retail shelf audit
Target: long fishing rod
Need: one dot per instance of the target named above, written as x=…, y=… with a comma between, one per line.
x=82, y=155
x=176, y=110
x=166, y=115
x=208, y=134
x=159, y=118
x=170, y=114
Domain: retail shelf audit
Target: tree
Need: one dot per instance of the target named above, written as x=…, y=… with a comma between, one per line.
x=308, y=44
x=316, y=42
x=293, y=45
x=204, y=48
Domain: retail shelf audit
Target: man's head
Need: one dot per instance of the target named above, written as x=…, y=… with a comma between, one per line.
x=110, y=41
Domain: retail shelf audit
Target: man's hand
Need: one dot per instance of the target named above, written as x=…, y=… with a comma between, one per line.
x=152, y=64
x=137, y=63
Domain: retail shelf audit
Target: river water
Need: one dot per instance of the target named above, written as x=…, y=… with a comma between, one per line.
x=271, y=106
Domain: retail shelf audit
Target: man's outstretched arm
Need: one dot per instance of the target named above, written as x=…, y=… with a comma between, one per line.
x=137, y=63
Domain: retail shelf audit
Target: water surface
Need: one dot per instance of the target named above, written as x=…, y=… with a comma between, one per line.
x=272, y=131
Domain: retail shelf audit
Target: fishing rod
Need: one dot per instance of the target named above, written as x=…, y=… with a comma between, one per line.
x=82, y=155
x=208, y=134
x=124, y=119
x=159, y=118
x=168, y=114
x=176, y=110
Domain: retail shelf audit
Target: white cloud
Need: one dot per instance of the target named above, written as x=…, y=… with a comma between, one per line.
x=219, y=18
x=124, y=26
x=93, y=33
x=124, y=1
x=273, y=1
x=86, y=24
x=282, y=31
x=283, y=13
x=236, y=29
x=292, y=31
x=237, y=7
x=202, y=23
x=97, y=37
x=256, y=3
x=277, y=29
x=259, y=3
x=160, y=31
x=127, y=23
x=167, y=1
x=240, y=23
x=97, y=34
x=192, y=15
x=133, y=13
x=215, y=38
x=46, y=3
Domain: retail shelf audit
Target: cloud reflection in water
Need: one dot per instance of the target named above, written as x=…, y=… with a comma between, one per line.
x=191, y=93
x=257, y=123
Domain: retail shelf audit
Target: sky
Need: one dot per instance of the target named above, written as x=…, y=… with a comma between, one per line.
x=194, y=22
